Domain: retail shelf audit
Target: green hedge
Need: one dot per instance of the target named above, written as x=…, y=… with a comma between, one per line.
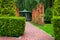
x=48, y=15
x=56, y=23
x=12, y=26
x=7, y=8
x=56, y=8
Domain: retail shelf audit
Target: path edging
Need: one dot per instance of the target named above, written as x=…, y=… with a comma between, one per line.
x=43, y=31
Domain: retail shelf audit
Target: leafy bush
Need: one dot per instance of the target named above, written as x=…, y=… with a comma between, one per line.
x=12, y=26
x=7, y=8
x=48, y=15
x=56, y=24
x=56, y=8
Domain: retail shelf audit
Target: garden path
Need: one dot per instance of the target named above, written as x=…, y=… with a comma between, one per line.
x=34, y=33
x=31, y=33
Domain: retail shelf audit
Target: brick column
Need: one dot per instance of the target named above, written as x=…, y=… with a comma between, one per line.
x=17, y=12
x=38, y=14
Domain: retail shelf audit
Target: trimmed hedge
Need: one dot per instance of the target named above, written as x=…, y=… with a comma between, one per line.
x=56, y=23
x=12, y=26
x=56, y=8
x=7, y=8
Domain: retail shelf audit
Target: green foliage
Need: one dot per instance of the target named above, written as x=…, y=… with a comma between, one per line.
x=56, y=19
x=20, y=4
x=26, y=4
x=12, y=26
x=7, y=8
x=30, y=4
x=41, y=1
x=47, y=28
x=48, y=15
x=49, y=3
x=56, y=24
x=56, y=8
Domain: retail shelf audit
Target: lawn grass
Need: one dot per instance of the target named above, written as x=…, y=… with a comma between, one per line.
x=47, y=28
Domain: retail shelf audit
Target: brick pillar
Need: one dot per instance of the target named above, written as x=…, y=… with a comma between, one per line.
x=37, y=17
x=38, y=14
x=41, y=14
x=17, y=12
x=33, y=17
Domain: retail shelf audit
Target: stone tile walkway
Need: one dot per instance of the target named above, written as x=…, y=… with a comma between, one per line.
x=31, y=33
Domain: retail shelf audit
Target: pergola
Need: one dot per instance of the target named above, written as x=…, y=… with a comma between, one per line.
x=26, y=14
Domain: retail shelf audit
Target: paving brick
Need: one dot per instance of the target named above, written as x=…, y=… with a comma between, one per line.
x=34, y=33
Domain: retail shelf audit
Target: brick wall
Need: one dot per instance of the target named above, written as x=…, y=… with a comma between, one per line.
x=17, y=11
x=38, y=14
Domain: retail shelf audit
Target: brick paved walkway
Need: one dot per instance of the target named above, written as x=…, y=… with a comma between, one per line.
x=31, y=33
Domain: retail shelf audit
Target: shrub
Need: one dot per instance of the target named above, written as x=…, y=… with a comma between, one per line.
x=7, y=8
x=12, y=26
x=48, y=15
x=56, y=24
x=56, y=8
